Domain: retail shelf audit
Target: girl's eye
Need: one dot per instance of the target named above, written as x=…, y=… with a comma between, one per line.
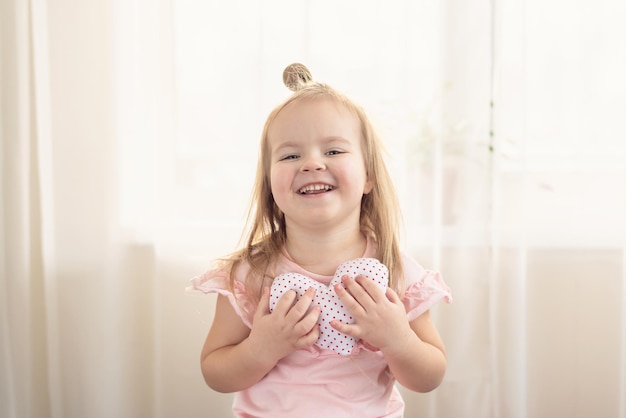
x=334, y=152
x=289, y=157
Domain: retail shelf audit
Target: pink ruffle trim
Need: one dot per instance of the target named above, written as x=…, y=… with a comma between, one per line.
x=424, y=294
x=217, y=282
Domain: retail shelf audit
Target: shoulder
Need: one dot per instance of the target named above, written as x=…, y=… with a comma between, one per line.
x=413, y=271
x=221, y=275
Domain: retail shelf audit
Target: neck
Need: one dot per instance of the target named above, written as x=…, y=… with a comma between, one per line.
x=322, y=251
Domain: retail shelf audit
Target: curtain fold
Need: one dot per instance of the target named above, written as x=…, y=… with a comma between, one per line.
x=24, y=347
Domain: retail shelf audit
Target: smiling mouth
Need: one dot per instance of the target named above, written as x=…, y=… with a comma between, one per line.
x=316, y=189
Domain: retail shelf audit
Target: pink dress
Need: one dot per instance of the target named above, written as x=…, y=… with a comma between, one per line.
x=318, y=382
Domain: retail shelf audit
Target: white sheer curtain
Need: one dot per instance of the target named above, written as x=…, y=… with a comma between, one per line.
x=129, y=134
x=23, y=340
x=76, y=294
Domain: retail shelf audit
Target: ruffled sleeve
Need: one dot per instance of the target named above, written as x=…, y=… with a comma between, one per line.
x=424, y=289
x=216, y=281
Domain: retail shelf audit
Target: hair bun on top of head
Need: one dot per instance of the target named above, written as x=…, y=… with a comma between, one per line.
x=296, y=76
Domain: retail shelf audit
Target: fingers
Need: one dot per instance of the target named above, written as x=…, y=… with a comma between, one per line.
x=349, y=329
x=309, y=339
x=359, y=293
x=285, y=302
x=302, y=316
x=308, y=327
x=371, y=288
x=301, y=307
x=367, y=302
x=351, y=299
x=393, y=296
x=300, y=313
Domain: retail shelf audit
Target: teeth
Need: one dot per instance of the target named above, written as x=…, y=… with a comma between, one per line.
x=315, y=188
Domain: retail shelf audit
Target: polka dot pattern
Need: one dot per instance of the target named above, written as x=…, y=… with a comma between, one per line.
x=326, y=298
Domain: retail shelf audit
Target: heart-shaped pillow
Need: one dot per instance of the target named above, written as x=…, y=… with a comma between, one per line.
x=326, y=298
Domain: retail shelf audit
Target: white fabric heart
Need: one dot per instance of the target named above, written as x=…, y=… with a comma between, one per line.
x=326, y=298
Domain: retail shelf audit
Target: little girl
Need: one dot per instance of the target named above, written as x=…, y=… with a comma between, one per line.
x=323, y=199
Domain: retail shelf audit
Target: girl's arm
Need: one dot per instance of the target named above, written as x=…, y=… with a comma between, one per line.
x=418, y=361
x=235, y=357
x=413, y=350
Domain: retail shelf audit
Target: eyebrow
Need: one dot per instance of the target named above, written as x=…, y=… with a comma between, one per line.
x=326, y=140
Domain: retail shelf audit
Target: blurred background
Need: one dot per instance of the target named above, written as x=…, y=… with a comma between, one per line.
x=129, y=133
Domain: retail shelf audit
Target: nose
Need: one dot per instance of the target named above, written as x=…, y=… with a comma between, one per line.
x=313, y=163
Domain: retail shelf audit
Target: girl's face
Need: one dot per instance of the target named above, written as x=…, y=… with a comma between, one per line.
x=317, y=172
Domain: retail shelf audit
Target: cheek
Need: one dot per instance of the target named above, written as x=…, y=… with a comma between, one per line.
x=357, y=177
x=279, y=183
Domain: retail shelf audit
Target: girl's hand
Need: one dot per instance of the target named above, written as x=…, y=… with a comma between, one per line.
x=289, y=327
x=380, y=317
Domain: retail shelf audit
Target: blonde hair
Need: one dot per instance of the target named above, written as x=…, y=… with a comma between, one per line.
x=265, y=233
